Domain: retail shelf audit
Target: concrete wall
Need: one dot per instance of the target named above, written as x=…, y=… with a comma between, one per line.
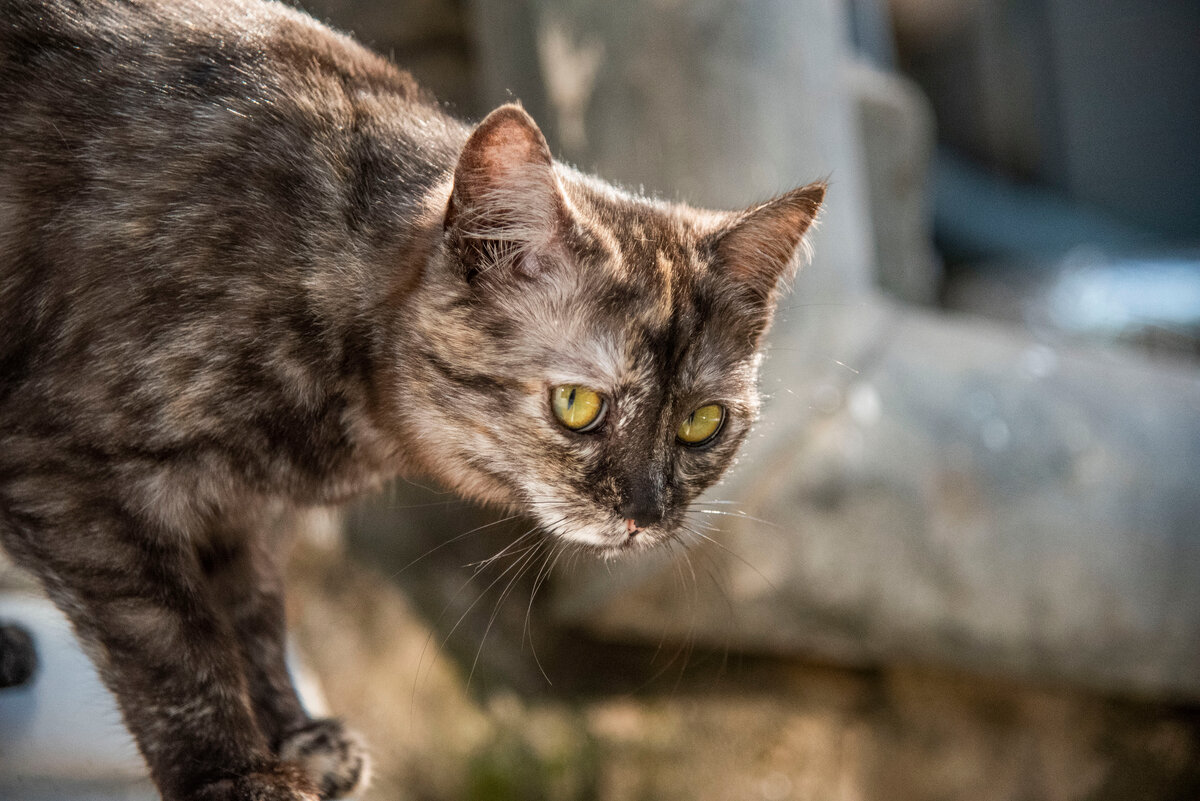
x=936, y=489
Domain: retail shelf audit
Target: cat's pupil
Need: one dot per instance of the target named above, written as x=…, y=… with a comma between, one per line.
x=571, y=399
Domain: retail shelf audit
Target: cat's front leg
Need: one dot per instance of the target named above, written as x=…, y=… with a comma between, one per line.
x=137, y=598
x=242, y=564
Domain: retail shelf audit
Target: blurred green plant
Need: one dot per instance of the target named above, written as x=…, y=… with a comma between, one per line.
x=512, y=767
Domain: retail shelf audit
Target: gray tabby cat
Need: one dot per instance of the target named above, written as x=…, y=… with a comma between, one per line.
x=247, y=266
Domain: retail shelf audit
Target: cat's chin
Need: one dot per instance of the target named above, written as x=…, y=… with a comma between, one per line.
x=631, y=545
x=617, y=550
x=609, y=541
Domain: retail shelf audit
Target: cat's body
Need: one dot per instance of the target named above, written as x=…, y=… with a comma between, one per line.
x=247, y=266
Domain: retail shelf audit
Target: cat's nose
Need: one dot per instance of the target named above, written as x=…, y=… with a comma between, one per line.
x=642, y=511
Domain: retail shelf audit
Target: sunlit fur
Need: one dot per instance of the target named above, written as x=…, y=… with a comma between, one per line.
x=583, y=284
x=247, y=268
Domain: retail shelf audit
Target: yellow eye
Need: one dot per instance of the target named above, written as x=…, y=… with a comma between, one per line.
x=578, y=408
x=701, y=425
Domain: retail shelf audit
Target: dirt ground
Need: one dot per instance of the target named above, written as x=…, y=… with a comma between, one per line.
x=536, y=712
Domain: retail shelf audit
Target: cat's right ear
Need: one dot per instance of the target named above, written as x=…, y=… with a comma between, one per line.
x=506, y=209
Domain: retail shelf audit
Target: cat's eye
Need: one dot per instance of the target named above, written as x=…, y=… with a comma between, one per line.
x=578, y=408
x=702, y=425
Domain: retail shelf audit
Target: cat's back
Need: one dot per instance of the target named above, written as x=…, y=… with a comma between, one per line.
x=151, y=149
x=186, y=186
x=137, y=83
x=46, y=39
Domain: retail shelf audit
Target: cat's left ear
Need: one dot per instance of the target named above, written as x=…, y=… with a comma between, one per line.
x=759, y=246
x=506, y=207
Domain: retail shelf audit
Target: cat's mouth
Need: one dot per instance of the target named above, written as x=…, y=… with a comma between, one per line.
x=628, y=545
x=640, y=539
x=637, y=537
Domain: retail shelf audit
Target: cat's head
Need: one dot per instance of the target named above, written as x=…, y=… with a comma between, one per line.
x=587, y=355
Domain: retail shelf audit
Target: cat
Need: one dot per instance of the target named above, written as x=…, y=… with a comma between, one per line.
x=248, y=267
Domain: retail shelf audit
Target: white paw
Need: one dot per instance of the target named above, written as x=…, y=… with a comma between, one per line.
x=334, y=759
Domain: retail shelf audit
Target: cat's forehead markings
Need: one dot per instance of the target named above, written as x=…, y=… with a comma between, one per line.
x=631, y=227
x=606, y=238
x=666, y=271
x=611, y=244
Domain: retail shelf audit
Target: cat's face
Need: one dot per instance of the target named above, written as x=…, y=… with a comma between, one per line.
x=588, y=356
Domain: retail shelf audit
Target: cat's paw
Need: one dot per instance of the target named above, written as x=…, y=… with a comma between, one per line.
x=334, y=759
x=280, y=783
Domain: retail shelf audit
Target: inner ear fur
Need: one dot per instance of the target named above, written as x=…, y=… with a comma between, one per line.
x=506, y=204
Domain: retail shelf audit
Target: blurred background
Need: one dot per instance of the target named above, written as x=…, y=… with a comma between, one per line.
x=960, y=559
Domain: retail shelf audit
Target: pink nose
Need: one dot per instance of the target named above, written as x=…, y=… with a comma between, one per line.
x=631, y=525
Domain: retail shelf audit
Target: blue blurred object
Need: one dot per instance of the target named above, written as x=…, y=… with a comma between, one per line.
x=1097, y=101
x=1108, y=297
x=979, y=216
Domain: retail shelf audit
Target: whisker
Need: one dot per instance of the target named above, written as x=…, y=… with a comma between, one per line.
x=525, y=561
x=446, y=608
x=543, y=574
x=517, y=557
x=429, y=638
x=451, y=541
x=687, y=559
x=711, y=569
x=391, y=505
x=735, y=555
x=742, y=515
x=483, y=563
x=795, y=306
